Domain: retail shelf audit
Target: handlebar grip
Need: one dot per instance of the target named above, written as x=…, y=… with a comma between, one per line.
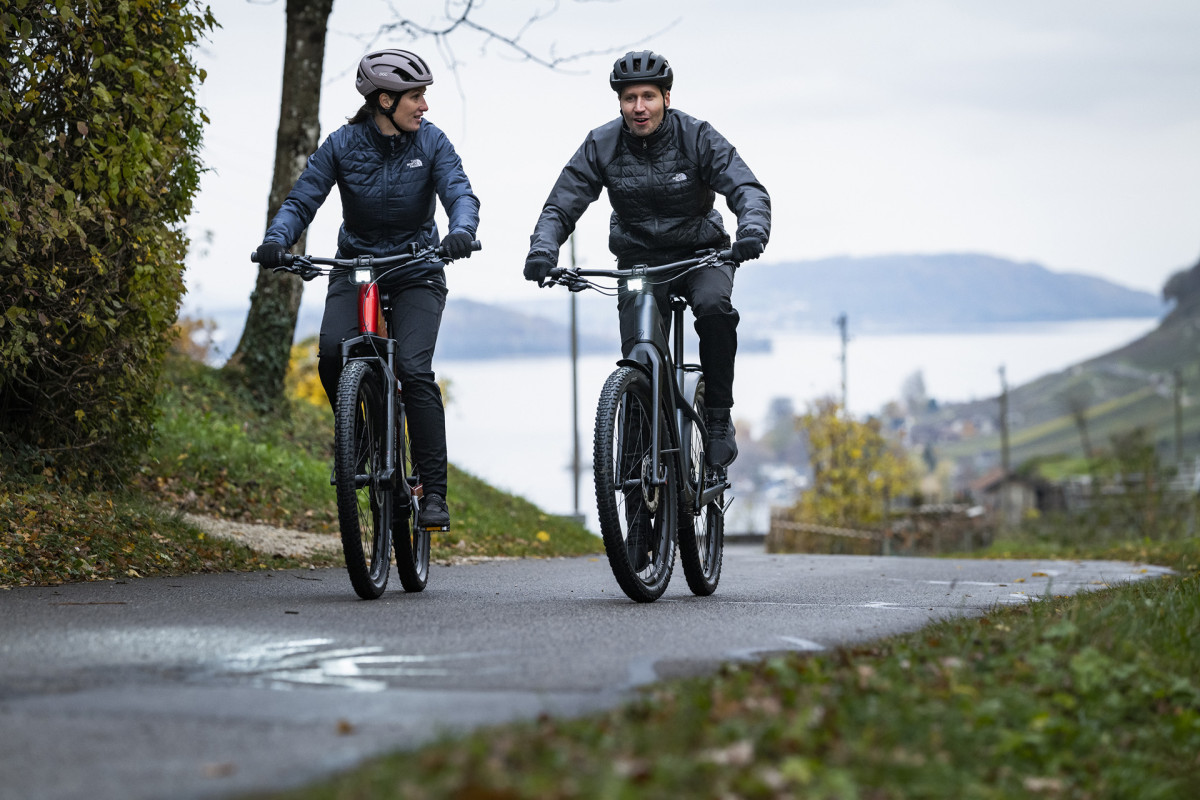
x=476, y=245
x=287, y=259
x=727, y=255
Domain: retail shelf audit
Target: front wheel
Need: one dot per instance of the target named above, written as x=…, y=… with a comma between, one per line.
x=701, y=531
x=637, y=509
x=411, y=540
x=364, y=495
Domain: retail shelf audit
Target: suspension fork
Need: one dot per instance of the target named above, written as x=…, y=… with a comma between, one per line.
x=372, y=329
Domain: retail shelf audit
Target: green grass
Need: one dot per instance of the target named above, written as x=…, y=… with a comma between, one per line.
x=1090, y=696
x=213, y=455
x=52, y=536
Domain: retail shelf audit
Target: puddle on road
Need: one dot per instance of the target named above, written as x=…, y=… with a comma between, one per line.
x=319, y=662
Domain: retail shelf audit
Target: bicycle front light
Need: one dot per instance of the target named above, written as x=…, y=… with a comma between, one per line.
x=362, y=275
x=635, y=284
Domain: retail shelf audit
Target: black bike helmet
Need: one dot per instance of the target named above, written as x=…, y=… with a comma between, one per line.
x=391, y=71
x=641, y=66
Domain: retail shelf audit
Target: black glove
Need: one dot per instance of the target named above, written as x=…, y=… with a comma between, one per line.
x=457, y=245
x=537, y=268
x=747, y=248
x=270, y=254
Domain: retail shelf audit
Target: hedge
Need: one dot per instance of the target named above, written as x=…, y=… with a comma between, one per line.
x=99, y=161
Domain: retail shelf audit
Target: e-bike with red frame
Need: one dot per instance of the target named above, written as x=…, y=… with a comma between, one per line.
x=653, y=488
x=378, y=488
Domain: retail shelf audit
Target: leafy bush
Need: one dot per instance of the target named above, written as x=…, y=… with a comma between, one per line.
x=99, y=141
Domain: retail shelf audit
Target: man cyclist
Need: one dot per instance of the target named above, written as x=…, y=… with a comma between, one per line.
x=389, y=164
x=663, y=169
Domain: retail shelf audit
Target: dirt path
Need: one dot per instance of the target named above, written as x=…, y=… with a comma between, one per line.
x=268, y=539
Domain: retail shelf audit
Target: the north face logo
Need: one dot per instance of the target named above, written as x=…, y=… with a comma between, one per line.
x=416, y=162
x=679, y=177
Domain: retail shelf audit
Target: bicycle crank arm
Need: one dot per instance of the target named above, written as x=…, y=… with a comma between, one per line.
x=712, y=491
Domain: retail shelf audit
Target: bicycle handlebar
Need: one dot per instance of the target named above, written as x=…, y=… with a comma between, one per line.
x=295, y=263
x=574, y=279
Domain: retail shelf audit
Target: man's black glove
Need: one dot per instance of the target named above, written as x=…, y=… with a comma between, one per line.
x=270, y=255
x=457, y=245
x=747, y=248
x=537, y=268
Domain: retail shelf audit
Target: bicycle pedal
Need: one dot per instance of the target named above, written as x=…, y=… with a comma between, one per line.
x=437, y=528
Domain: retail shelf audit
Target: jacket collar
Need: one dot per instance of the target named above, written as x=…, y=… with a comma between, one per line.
x=385, y=142
x=639, y=144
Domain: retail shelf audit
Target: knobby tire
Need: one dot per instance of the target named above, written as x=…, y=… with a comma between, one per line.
x=635, y=524
x=364, y=501
x=702, y=535
x=411, y=541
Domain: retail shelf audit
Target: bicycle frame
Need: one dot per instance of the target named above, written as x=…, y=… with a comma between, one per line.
x=661, y=358
x=658, y=353
x=374, y=342
x=368, y=346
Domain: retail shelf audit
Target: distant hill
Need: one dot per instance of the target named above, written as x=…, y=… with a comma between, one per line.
x=878, y=293
x=922, y=292
x=1143, y=384
x=480, y=330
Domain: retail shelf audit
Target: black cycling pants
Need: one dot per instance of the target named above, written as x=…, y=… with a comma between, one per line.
x=416, y=318
x=708, y=292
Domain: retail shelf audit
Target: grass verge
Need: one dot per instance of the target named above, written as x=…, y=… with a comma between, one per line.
x=1089, y=696
x=212, y=455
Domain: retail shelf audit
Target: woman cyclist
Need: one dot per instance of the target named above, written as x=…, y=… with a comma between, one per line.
x=389, y=163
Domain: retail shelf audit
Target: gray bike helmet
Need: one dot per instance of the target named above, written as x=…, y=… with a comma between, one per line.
x=391, y=71
x=641, y=66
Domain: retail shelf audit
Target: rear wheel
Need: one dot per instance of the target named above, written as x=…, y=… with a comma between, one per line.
x=364, y=496
x=637, y=513
x=411, y=541
x=702, y=534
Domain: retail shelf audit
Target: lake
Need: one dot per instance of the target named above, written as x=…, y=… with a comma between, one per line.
x=509, y=420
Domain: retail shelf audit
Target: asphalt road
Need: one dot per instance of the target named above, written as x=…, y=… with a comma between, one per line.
x=214, y=685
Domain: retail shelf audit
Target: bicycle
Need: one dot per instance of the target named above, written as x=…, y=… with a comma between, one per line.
x=653, y=488
x=378, y=488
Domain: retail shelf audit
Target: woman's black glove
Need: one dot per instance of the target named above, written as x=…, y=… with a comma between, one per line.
x=457, y=245
x=270, y=255
x=537, y=268
x=747, y=248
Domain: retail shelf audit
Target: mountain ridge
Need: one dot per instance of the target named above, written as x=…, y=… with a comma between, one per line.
x=888, y=293
x=929, y=291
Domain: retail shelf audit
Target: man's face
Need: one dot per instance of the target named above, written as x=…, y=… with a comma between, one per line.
x=643, y=106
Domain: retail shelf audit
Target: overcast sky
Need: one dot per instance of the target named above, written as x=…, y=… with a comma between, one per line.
x=1065, y=132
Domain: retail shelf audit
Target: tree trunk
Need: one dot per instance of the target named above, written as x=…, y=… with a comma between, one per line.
x=260, y=361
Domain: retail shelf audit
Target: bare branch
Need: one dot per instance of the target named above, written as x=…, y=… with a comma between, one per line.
x=462, y=21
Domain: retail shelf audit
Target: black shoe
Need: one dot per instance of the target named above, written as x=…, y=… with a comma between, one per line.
x=722, y=446
x=434, y=513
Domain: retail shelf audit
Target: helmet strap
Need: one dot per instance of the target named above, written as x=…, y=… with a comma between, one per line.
x=390, y=113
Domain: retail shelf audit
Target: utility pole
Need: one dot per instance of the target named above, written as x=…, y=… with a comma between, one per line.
x=1004, y=466
x=574, y=389
x=1178, y=374
x=841, y=323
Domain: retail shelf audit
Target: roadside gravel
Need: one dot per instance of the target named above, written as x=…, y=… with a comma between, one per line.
x=268, y=539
